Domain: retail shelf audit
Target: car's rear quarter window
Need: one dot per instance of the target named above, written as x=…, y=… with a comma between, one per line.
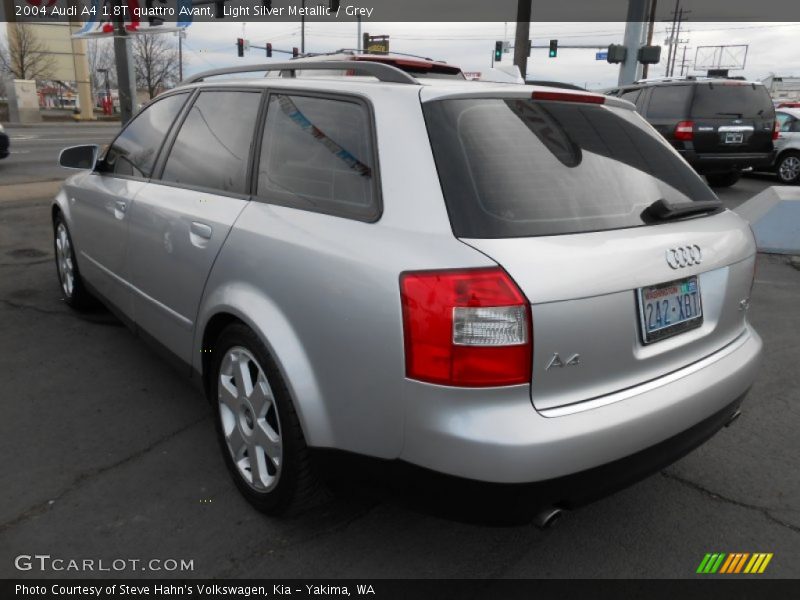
x=317, y=154
x=515, y=167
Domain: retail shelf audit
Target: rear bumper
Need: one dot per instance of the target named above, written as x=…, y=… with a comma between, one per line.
x=715, y=163
x=497, y=436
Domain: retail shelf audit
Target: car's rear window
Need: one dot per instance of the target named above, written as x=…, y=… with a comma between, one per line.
x=731, y=100
x=517, y=168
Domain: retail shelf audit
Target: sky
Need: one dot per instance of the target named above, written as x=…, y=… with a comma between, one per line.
x=773, y=47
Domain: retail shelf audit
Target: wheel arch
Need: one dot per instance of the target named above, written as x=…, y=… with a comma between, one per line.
x=241, y=303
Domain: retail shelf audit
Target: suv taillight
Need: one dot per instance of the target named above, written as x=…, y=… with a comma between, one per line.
x=776, y=130
x=684, y=131
x=469, y=328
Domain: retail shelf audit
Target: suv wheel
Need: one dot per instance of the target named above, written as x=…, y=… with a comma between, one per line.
x=75, y=294
x=257, y=426
x=723, y=179
x=788, y=168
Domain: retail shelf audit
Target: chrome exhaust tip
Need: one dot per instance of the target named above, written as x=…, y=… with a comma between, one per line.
x=734, y=416
x=546, y=518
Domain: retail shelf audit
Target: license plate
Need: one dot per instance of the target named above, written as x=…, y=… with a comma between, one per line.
x=668, y=309
x=734, y=137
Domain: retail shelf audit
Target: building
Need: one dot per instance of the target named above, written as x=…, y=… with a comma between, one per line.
x=783, y=89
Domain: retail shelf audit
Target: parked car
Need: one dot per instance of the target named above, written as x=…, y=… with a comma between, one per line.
x=4, y=143
x=787, y=146
x=720, y=126
x=503, y=283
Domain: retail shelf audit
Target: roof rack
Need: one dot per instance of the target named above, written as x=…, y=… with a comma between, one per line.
x=381, y=71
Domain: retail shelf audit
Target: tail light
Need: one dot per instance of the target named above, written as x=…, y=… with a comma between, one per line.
x=776, y=130
x=684, y=131
x=469, y=328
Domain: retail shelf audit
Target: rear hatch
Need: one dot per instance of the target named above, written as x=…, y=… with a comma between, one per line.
x=557, y=192
x=732, y=117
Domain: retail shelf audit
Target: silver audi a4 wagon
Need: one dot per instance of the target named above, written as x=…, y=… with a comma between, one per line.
x=498, y=282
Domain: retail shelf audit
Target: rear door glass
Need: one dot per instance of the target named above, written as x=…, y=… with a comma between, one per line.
x=212, y=149
x=715, y=100
x=515, y=167
x=669, y=101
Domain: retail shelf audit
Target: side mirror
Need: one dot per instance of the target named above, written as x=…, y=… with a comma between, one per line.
x=79, y=157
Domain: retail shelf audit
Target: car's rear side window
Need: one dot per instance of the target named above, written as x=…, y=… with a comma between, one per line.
x=212, y=149
x=669, y=101
x=515, y=167
x=134, y=152
x=729, y=99
x=317, y=154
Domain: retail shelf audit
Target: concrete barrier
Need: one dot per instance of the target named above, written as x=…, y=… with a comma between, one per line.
x=774, y=215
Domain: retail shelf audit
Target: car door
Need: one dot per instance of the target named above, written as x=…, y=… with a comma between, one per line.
x=101, y=202
x=182, y=217
x=789, y=135
x=732, y=117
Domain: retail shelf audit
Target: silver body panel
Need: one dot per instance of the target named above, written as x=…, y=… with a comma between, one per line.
x=322, y=292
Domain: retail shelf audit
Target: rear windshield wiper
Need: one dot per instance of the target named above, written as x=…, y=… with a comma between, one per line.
x=664, y=211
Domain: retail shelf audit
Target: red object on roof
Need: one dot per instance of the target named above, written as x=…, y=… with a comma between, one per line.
x=411, y=64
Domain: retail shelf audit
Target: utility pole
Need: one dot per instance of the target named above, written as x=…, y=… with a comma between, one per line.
x=650, y=28
x=303, y=29
x=126, y=79
x=634, y=28
x=522, y=36
x=181, y=35
x=358, y=43
x=672, y=38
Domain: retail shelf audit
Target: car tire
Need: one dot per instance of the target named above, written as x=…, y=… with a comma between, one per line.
x=788, y=168
x=255, y=417
x=69, y=277
x=722, y=180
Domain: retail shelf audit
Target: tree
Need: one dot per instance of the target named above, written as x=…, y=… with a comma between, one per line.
x=155, y=62
x=25, y=57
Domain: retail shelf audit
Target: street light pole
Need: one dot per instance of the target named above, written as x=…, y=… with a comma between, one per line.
x=522, y=35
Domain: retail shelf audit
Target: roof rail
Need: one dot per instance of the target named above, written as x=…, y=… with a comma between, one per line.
x=381, y=71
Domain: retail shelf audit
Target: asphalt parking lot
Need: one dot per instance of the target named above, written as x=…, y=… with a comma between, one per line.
x=109, y=453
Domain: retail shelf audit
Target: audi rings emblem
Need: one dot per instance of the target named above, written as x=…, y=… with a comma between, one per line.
x=685, y=256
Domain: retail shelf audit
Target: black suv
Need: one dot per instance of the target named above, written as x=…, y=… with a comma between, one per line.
x=720, y=126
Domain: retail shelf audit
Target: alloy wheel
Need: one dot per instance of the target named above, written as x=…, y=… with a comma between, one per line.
x=249, y=418
x=65, y=260
x=790, y=168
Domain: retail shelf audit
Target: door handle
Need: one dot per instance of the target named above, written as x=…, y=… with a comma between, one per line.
x=120, y=206
x=201, y=230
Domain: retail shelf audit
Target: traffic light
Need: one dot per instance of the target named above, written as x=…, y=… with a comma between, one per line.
x=239, y=47
x=616, y=53
x=269, y=50
x=553, y=49
x=498, y=51
x=295, y=52
x=154, y=20
x=219, y=11
x=649, y=55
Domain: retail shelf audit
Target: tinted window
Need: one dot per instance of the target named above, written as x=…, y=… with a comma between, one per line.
x=731, y=100
x=317, y=155
x=515, y=167
x=631, y=96
x=135, y=149
x=669, y=101
x=785, y=121
x=212, y=148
